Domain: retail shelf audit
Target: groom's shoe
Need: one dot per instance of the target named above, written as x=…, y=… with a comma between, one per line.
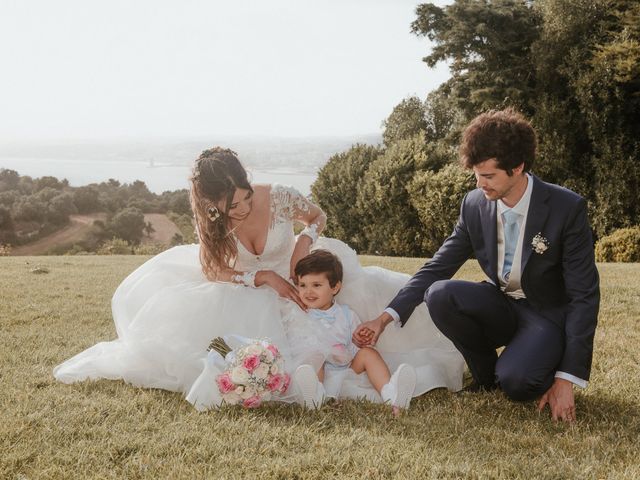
x=310, y=391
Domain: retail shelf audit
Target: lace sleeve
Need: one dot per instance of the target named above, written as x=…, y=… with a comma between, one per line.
x=288, y=204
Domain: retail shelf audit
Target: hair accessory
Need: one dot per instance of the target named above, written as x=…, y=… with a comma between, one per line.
x=213, y=213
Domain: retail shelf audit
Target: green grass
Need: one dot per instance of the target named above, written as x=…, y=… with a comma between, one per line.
x=108, y=429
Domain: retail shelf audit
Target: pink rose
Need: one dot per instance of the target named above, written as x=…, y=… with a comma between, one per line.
x=273, y=349
x=225, y=384
x=252, y=402
x=251, y=362
x=275, y=383
x=285, y=383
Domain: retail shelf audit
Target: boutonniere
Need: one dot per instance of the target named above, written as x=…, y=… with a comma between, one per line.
x=539, y=243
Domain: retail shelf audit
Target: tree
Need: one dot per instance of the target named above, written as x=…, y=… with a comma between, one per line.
x=51, y=182
x=87, y=199
x=29, y=209
x=179, y=202
x=406, y=120
x=9, y=179
x=148, y=229
x=139, y=189
x=588, y=70
x=128, y=225
x=488, y=46
x=60, y=207
x=7, y=228
x=336, y=192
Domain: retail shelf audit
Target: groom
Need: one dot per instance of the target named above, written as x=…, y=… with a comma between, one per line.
x=533, y=241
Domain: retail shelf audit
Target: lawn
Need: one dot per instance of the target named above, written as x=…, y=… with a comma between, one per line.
x=108, y=429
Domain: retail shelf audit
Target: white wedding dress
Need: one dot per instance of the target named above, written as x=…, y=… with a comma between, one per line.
x=166, y=313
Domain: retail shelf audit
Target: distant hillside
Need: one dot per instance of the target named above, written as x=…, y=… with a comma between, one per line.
x=80, y=227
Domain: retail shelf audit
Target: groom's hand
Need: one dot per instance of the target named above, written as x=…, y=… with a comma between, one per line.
x=367, y=333
x=560, y=400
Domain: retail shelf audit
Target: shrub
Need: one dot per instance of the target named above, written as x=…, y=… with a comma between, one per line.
x=76, y=250
x=177, y=239
x=115, y=246
x=437, y=196
x=390, y=223
x=149, y=249
x=623, y=245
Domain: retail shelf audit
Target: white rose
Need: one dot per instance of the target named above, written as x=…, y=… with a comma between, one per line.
x=261, y=371
x=253, y=349
x=248, y=393
x=231, y=398
x=239, y=390
x=541, y=246
x=239, y=375
x=274, y=369
x=268, y=355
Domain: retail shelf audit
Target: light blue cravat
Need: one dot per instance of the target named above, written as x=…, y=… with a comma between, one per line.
x=511, y=231
x=327, y=315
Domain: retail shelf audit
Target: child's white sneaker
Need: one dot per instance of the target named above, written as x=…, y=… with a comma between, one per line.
x=399, y=391
x=310, y=390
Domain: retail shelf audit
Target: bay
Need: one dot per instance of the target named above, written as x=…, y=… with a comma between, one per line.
x=158, y=176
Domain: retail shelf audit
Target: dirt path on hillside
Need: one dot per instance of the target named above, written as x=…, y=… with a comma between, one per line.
x=165, y=229
x=74, y=232
x=80, y=225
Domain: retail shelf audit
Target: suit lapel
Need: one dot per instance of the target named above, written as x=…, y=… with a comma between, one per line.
x=536, y=218
x=490, y=234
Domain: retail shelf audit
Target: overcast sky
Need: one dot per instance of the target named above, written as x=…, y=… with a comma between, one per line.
x=157, y=68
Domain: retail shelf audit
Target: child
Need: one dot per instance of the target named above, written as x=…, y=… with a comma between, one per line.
x=319, y=277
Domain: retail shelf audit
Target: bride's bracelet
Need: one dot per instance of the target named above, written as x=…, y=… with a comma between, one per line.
x=248, y=279
x=311, y=231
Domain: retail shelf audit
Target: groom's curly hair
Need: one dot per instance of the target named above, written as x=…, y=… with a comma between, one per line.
x=505, y=135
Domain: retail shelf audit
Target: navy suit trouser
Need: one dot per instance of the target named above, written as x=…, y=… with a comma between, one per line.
x=478, y=318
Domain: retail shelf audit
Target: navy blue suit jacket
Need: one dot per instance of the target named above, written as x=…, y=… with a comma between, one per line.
x=562, y=283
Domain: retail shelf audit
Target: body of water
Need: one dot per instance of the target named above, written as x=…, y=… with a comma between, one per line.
x=158, y=177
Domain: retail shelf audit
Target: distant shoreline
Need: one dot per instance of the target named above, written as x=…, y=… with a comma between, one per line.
x=158, y=178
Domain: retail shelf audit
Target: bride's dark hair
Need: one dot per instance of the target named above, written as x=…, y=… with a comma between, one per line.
x=216, y=176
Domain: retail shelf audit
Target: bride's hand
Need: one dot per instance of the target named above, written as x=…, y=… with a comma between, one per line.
x=280, y=285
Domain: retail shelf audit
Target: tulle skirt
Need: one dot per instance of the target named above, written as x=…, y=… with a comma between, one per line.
x=166, y=313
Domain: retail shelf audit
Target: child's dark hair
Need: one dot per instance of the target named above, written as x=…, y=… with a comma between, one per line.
x=321, y=261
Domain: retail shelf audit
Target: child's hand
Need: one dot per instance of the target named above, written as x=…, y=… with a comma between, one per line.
x=364, y=336
x=366, y=333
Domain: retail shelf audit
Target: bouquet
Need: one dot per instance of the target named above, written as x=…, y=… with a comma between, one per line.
x=254, y=372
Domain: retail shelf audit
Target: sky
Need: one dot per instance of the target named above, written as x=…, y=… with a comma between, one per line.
x=75, y=69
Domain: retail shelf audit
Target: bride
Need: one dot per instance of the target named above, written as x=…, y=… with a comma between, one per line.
x=238, y=281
